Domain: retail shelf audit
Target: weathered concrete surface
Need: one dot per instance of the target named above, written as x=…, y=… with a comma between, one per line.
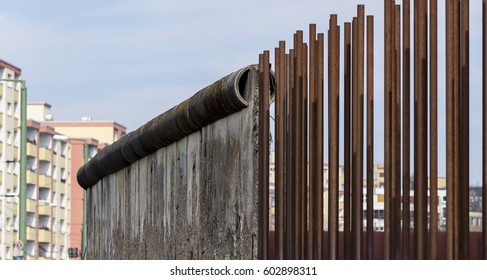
x=194, y=199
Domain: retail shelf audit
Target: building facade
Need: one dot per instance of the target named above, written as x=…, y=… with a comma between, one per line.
x=48, y=193
x=9, y=159
x=85, y=134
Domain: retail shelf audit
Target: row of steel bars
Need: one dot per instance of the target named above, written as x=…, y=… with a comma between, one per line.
x=299, y=206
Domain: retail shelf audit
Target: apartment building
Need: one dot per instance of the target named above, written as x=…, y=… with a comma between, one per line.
x=48, y=193
x=85, y=134
x=9, y=158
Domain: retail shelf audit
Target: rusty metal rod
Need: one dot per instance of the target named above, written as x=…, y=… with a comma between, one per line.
x=456, y=128
x=333, y=132
x=360, y=90
x=433, y=238
x=319, y=142
x=396, y=137
x=355, y=215
x=370, y=137
x=264, y=74
x=449, y=130
x=421, y=187
x=387, y=123
x=280, y=158
x=484, y=129
x=290, y=158
x=298, y=83
x=314, y=166
x=406, y=126
x=304, y=149
x=465, y=130
x=347, y=140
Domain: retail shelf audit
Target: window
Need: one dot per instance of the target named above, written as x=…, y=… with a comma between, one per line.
x=9, y=137
x=10, y=109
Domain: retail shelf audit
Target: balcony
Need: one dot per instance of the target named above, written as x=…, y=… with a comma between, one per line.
x=31, y=178
x=44, y=209
x=44, y=236
x=31, y=150
x=45, y=181
x=31, y=234
x=44, y=154
x=31, y=206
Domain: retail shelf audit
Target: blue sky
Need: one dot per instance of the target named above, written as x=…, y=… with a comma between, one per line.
x=129, y=61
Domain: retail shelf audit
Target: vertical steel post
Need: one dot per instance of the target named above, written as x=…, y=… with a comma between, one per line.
x=280, y=182
x=465, y=130
x=360, y=91
x=298, y=85
x=456, y=127
x=347, y=140
x=484, y=129
x=387, y=123
x=304, y=148
x=421, y=186
x=311, y=247
x=433, y=238
x=355, y=145
x=290, y=158
x=319, y=142
x=449, y=129
x=396, y=137
x=406, y=126
x=333, y=130
x=264, y=73
x=370, y=137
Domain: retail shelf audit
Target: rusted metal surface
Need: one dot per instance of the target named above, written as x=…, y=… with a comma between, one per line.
x=433, y=234
x=306, y=206
x=347, y=68
x=319, y=140
x=406, y=181
x=264, y=88
x=355, y=207
x=370, y=137
x=387, y=123
x=333, y=130
x=421, y=156
x=396, y=137
x=484, y=129
x=280, y=180
x=449, y=130
x=465, y=129
x=311, y=248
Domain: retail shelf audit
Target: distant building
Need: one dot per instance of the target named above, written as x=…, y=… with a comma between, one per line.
x=9, y=159
x=95, y=135
x=48, y=193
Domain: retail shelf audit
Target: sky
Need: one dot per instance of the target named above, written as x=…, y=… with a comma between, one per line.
x=129, y=61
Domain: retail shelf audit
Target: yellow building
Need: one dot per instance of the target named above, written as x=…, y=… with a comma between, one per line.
x=48, y=193
x=9, y=155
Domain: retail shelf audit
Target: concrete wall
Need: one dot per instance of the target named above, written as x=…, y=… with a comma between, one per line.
x=193, y=199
